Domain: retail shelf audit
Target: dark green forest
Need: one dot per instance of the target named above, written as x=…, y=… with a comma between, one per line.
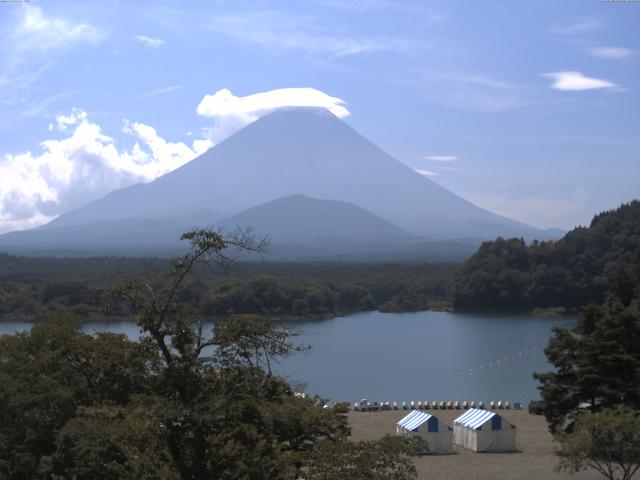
x=79, y=406
x=32, y=289
x=564, y=274
x=597, y=362
x=569, y=273
x=591, y=397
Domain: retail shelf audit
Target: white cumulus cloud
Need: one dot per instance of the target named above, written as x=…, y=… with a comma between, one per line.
x=152, y=42
x=232, y=112
x=83, y=166
x=576, y=81
x=64, y=121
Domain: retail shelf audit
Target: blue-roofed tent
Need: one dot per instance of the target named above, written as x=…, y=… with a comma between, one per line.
x=484, y=431
x=439, y=436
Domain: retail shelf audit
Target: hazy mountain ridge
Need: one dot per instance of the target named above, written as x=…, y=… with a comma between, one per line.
x=112, y=235
x=297, y=227
x=298, y=217
x=298, y=151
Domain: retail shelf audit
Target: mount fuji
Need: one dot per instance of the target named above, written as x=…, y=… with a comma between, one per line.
x=300, y=154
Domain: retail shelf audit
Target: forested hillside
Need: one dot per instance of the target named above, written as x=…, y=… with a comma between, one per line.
x=33, y=289
x=570, y=272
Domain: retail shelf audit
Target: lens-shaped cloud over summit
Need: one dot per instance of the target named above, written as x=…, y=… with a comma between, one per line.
x=223, y=103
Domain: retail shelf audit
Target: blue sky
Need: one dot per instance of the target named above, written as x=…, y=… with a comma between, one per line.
x=530, y=109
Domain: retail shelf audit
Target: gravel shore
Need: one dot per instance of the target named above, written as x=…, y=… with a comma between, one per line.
x=534, y=460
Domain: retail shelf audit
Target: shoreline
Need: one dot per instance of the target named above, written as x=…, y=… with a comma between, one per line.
x=534, y=460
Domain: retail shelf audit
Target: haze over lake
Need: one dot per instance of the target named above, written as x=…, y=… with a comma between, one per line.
x=411, y=356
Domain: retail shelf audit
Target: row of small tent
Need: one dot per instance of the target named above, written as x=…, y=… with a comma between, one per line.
x=477, y=430
x=365, y=406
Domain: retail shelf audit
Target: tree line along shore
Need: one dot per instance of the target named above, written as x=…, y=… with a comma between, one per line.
x=76, y=405
x=557, y=277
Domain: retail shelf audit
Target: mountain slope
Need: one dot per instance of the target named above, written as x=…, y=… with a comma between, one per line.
x=298, y=219
x=299, y=228
x=125, y=235
x=310, y=152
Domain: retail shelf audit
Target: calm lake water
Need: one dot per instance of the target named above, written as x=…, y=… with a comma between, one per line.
x=410, y=356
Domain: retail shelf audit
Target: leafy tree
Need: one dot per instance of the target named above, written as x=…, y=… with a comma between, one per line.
x=389, y=458
x=606, y=441
x=226, y=416
x=180, y=403
x=598, y=362
x=216, y=417
x=112, y=443
x=48, y=373
x=570, y=272
x=300, y=306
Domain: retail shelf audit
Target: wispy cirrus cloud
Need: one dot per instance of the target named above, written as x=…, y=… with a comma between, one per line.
x=359, y=4
x=570, y=81
x=481, y=81
x=161, y=91
x=426, y=173
x=580, y=27
x=612, y=53
x=41, y=107
x=14, y=82
x=37, y=32
x=279, y=30
x=416, y=9
x=440, y=166
x=475, y=92
x=31, y=39
x=151, y=42
x=441, y=158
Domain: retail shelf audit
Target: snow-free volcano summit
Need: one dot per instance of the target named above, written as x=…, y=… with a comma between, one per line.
x=294, y=152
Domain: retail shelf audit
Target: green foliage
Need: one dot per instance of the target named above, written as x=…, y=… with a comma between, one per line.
x=48, y=373
x=35, y=288
x=272, y=296
x=607, y=441
x=598, y=362
x=570, y=272
x=112, y=443
x=82, y=406
x=389, y=458
x=181, y=403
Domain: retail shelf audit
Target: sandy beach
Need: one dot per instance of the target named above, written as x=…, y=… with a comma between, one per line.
x=534, y=460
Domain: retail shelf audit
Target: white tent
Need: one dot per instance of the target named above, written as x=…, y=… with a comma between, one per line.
x=484, y=431
x=437, y=434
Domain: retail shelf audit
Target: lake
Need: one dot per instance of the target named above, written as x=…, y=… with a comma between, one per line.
x=410, y=356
